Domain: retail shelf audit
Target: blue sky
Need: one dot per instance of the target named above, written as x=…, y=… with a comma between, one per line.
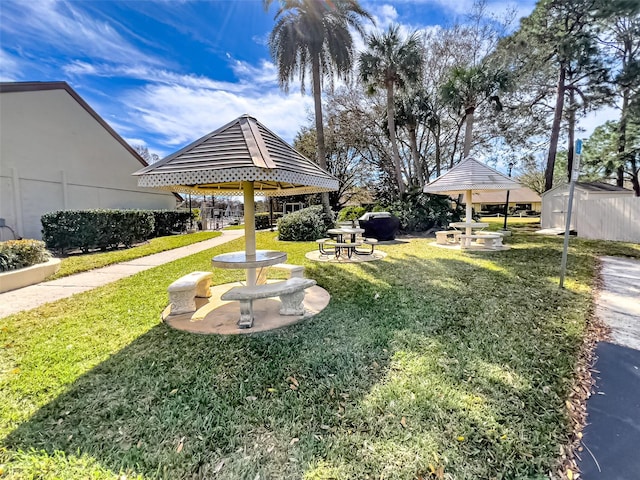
x=164, y=73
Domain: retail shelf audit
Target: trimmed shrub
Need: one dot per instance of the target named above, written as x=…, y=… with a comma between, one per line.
x=15, y=254
x=304, y=225
x=419, y=211
x=263, y=220
x=351, y=213
x=169, y=222
x=89, y=229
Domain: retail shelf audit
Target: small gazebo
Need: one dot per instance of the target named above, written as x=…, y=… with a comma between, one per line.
x=467, y=176
x=242, y=157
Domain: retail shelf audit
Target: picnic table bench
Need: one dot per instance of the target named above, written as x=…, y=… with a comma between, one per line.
x=183, y=292
x=291, y=293
x=487, y=240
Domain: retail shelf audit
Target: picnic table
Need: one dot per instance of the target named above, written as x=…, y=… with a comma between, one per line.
x=345, y=241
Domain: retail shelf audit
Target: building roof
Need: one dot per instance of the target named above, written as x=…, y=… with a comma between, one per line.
x=600, y=187
x=470, y=174
x=517, y=195
x=241, y=150
x=594, y=187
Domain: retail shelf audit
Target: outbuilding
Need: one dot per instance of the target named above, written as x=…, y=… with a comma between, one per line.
x=57, y=153
x=615, y=204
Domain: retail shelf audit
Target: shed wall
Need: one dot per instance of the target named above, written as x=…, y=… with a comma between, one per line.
x=612, y=218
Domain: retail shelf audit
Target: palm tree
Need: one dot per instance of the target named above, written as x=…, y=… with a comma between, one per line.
x=466, y=88
x=314, y=35
x=391, y=62
x=413, y=109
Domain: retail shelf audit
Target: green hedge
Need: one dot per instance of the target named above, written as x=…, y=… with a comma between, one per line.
x=263, y=220
x=351, y=213
x=304, y=225
x=170, y=222
x=419, y=212
x=90, y=229
x=15, y=254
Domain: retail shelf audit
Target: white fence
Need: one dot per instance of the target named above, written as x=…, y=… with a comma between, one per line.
x=616, y=218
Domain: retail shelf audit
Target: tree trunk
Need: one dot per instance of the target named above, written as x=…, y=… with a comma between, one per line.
x=468, y=131
x=572, y=134
x=634, y=177
x=622, y=136
x=438, y=153
x=555, y=130
x=317, y=101
x=455, y=143
x=391, y=124
x=416, y=155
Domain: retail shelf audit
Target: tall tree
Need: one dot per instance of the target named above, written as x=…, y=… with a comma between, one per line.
x=560, y=33
x=467, y=88
x=620, y=36
x=314, y=35
x=412, y=109
x=391, y=62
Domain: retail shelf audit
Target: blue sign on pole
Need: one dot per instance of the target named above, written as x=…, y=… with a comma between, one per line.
x=578, y=147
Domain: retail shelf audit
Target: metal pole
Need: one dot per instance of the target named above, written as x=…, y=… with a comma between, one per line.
x=574, y=176
x=506, y=205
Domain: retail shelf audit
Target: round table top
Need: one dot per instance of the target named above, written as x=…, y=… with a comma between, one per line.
x=468, y=224
x=262, y=258
x=345, y=230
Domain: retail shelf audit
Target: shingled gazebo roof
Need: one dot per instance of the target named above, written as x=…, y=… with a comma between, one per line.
x=470, y=174
x=241, y=150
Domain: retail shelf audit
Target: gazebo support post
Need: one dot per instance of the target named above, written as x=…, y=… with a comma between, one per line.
x=249, y=229
x=469, y=213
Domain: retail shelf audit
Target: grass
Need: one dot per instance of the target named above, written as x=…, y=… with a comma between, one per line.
x=82, y=263
x=429, y=364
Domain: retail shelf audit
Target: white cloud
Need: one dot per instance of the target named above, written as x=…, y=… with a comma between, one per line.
x=62, y=26
x=156, y=75
x=9, y=66
x=180, y=114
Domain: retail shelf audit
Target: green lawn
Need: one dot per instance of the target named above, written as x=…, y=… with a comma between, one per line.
x=82, y=263
x=429, y=364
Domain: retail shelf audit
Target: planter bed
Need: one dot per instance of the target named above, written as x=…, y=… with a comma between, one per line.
x=23, y=277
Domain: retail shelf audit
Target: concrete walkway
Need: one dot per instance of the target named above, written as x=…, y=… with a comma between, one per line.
x=35, y=295
x=612, y=435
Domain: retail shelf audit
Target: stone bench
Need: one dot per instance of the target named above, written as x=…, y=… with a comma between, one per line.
x=291, y=293
x=446, y=237
x=487, y=240
x=293, y=271
x=183, y=292
x=497, y=241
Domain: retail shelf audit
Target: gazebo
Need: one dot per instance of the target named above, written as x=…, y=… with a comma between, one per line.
x=467, y=176
x=242, y=157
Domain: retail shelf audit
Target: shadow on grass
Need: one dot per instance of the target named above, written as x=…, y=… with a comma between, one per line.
x=457, y=346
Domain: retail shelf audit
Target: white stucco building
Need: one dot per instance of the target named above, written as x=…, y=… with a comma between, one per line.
x=57, y=153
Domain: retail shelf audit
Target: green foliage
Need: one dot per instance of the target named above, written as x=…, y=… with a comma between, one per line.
x=307, y=224
x=351, y=213
x=15, y=254
x=103, y=229
x=419, y=211
x=263, y=220
x=170, y=222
